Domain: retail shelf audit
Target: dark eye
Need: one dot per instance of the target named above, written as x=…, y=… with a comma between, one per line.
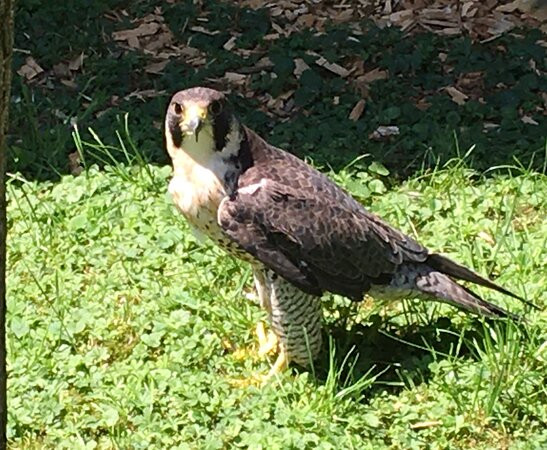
x=178, y=108
x=215, y=108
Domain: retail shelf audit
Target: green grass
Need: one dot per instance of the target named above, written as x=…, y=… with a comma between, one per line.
x=122, y=327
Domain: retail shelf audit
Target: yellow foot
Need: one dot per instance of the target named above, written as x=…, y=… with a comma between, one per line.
x=253, y=380
x=280, y=365
x=267, y=344
x=267, y=341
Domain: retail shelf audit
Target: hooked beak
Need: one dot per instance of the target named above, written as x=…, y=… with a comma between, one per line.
x=192, y=121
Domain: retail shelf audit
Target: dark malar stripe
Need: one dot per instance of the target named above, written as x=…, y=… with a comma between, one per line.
x=222, y=128
x=174, y=130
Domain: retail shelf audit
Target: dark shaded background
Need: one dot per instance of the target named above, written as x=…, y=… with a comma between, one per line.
x=511, y=85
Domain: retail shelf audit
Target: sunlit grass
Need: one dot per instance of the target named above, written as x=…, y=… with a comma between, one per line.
x=122, y=327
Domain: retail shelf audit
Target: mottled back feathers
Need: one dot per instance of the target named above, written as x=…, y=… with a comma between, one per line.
x=303, y=226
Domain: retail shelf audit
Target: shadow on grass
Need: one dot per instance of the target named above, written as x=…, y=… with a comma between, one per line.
x=502, y=80
x=399, y=357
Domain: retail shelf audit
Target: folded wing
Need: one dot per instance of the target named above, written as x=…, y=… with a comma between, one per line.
x=314, y=241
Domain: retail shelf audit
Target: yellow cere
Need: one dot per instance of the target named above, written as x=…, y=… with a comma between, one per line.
x=193, y=111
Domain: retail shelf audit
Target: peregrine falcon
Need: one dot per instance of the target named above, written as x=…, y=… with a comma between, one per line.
x=302, y=234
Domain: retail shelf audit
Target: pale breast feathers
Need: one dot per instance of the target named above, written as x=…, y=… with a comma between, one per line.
x=197, y=191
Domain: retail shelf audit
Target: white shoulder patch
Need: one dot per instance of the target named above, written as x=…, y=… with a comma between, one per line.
x=252, y=188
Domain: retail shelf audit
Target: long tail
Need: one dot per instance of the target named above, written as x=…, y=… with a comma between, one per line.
x=455, y=270
x=440, y=283
x=442, y=287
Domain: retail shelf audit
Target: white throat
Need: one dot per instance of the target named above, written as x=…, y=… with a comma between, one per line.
x=203, y=150
x=202, y=174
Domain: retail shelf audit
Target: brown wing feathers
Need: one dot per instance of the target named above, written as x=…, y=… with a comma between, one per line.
x=311, y=232
x=343, y=254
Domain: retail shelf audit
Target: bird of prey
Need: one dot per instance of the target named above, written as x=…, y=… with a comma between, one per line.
x=302, y=234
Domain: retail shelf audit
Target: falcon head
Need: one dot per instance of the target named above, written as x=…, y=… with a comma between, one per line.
x=200, y=122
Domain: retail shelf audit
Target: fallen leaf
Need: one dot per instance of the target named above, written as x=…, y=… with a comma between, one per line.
x=333, y=67
x=357, y=110
x=278, y=29
x=102, y=112
x=510, y=7
x=457, y=97
x=373, y=75
x=60, y=114
x=440, y=23
x=61, y=70
x=189, y=52
x=145, y=29
x=157, y=67
x=454, y=31
x=343, y=16
x=500, y=26
x=286, y=95
x=145, y=93
x=76, y=63
x=230, y=43
x=262, y=64
x=299, y=67
x=384, y=131
x=234, y=77
x=466, y=10
x=400, y=16
x=200, y=29
x=528, y=120
x=425, y=424
x=74, y=164
x=30, y=69
x=133, y=42
x=69, y=83
x=153, y=17
x=490, y=126
x=306, y=20
x=487, y=237
x=423, y=104
x=159, y=41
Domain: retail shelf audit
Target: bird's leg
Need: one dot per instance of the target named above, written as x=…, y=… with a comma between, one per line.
x=281, y=363
x=267, y=341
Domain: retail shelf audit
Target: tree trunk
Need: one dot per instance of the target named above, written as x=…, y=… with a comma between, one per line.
x=6, y=47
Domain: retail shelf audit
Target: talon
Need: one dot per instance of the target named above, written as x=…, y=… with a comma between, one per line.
x=254, y=380
x=281, y=363
x=267, y=342
x=260, y=332
x=241, y=354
